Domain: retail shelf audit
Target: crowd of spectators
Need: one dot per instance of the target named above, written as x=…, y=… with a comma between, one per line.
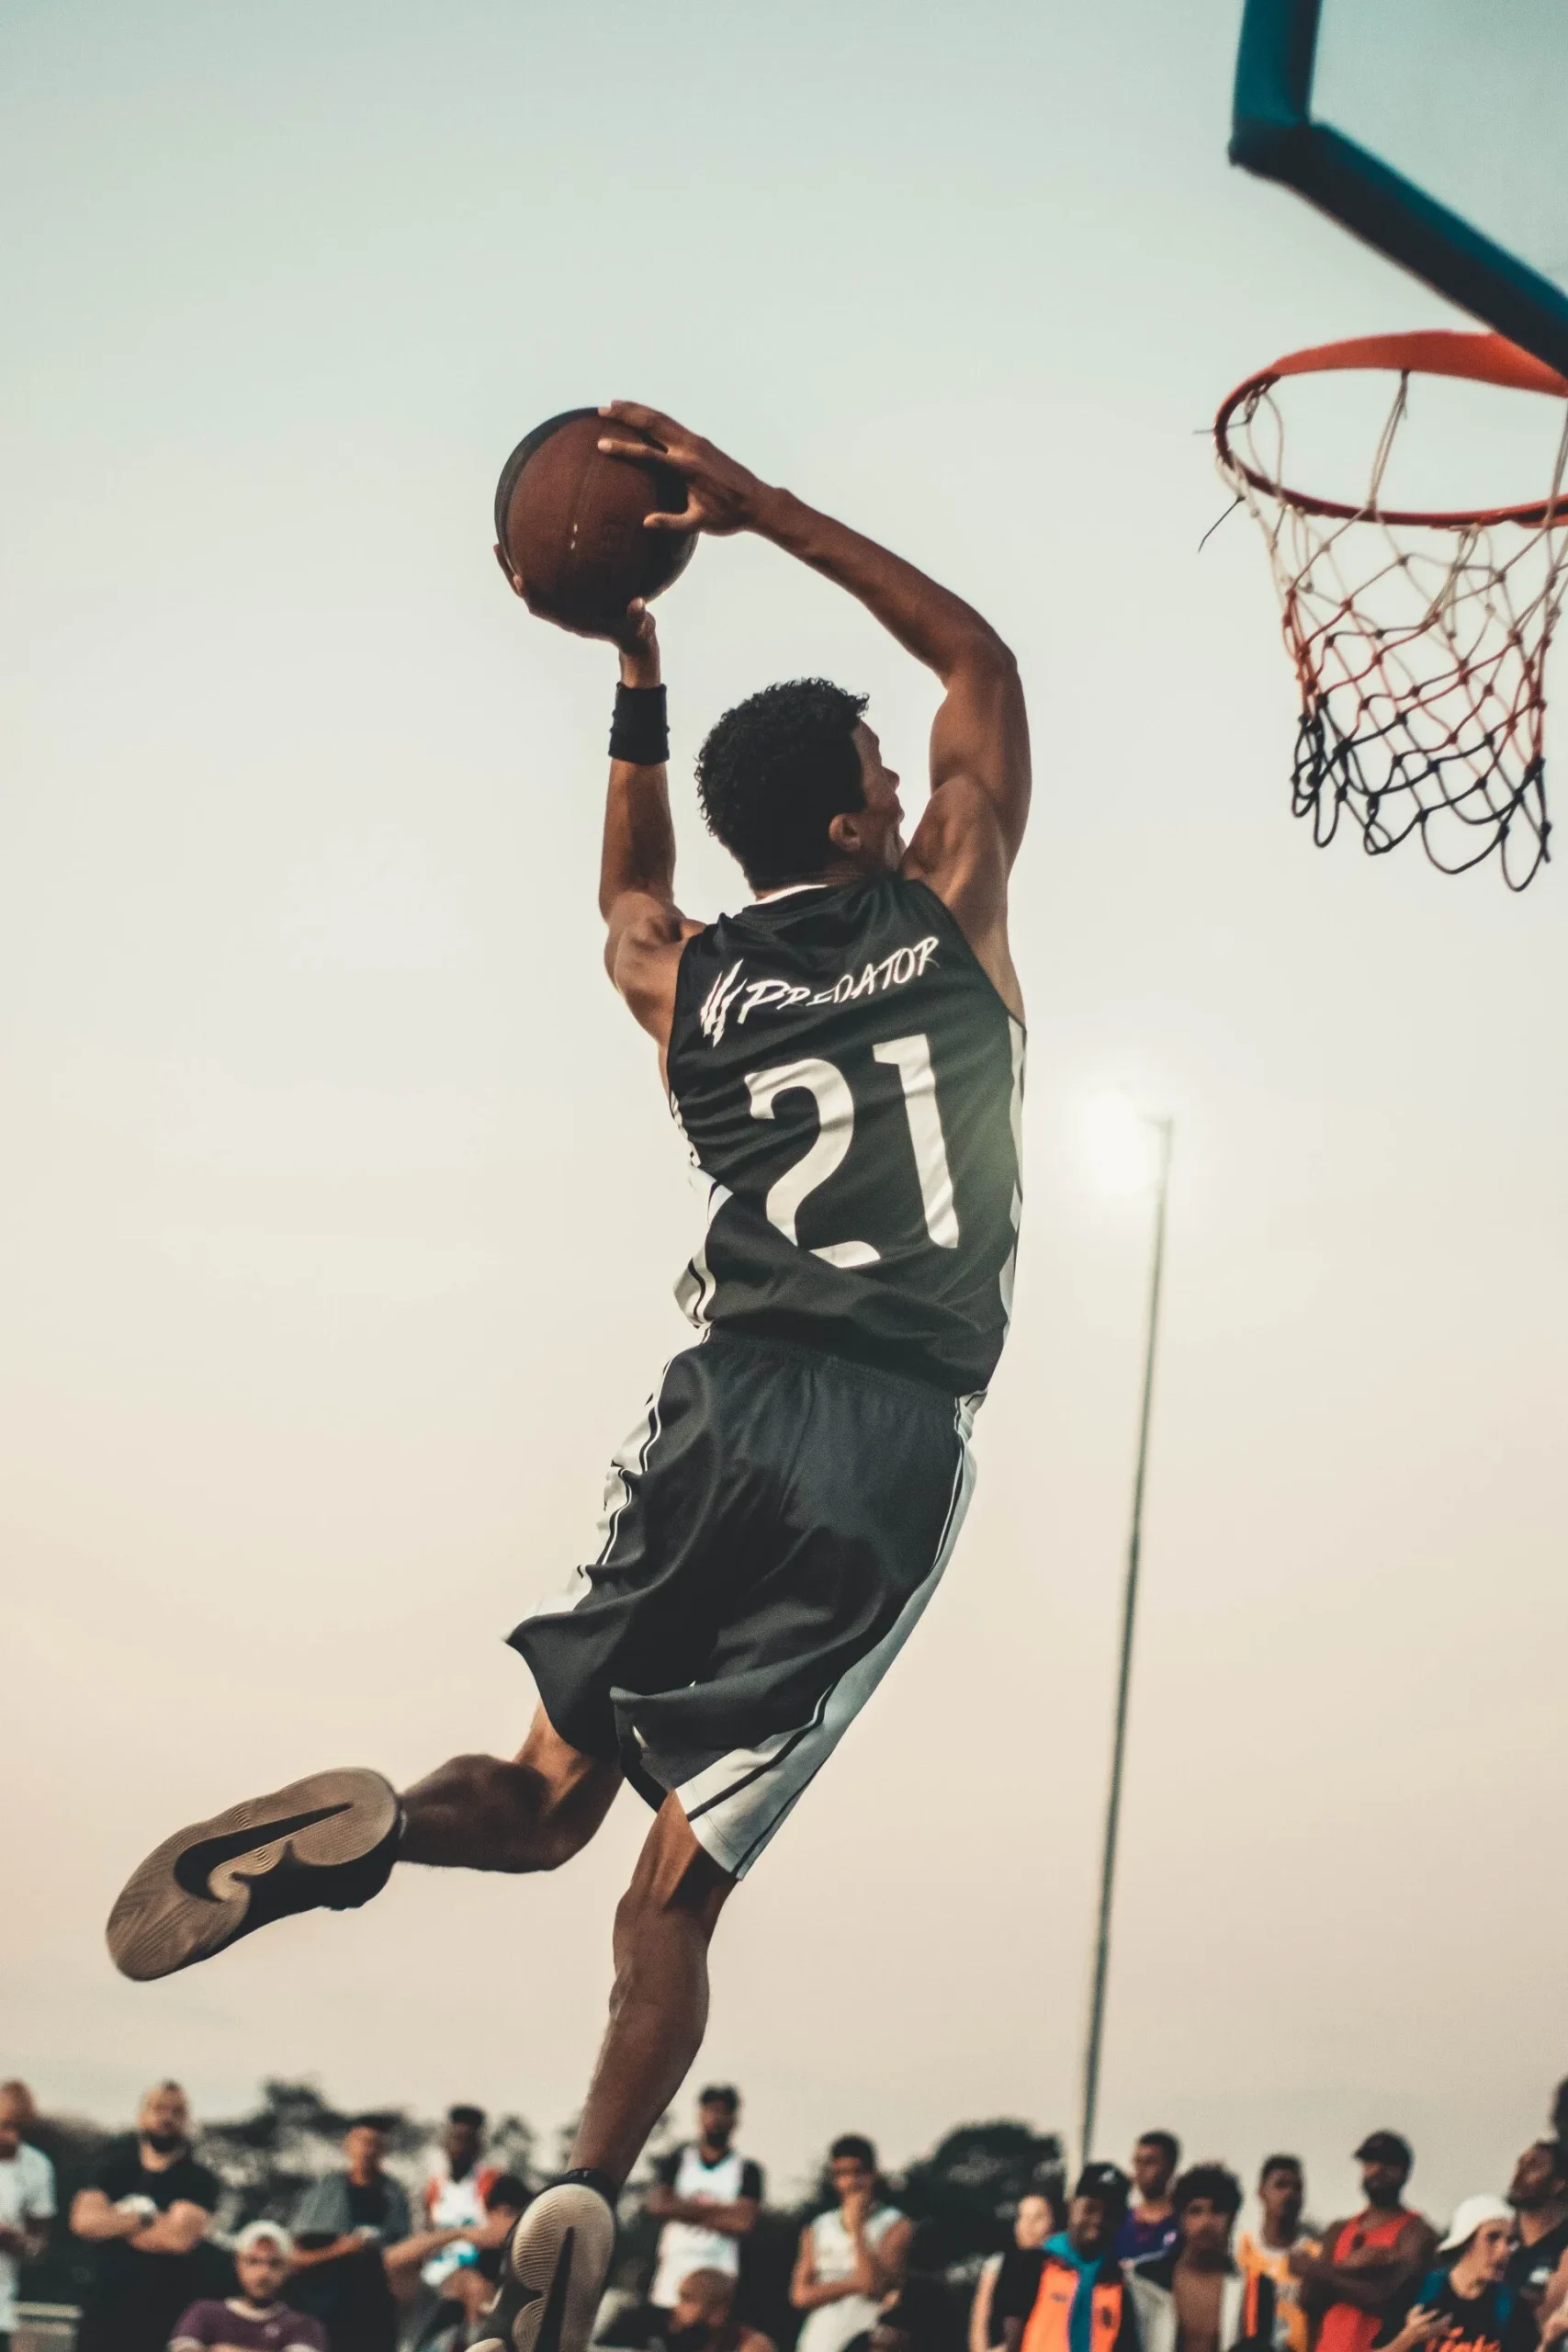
x=1155, y=2263
x=356, y=2267
x=1150, y=2259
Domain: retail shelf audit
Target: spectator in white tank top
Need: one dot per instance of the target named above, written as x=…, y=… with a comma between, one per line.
x=707, y=2195
x=458, y=2184
x=850, y=2258
x=27, y=2198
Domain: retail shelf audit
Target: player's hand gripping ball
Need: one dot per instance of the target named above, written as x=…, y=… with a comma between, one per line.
x=571, y=524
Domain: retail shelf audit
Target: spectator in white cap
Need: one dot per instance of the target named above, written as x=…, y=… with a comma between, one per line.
x=1465, y=2304
x=256, y=2319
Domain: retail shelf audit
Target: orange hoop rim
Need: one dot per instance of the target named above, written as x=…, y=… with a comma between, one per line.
x=1479, y=358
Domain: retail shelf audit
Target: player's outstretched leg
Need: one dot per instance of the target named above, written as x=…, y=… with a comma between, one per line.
x=559, y=2256
x=329, y=1842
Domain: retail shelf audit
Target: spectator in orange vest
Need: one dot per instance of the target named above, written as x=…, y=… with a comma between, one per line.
x=1071, y=2296
x=1370, y=2265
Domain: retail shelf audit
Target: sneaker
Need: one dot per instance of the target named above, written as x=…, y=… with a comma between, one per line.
x=553, y=2273
x=326, y=1842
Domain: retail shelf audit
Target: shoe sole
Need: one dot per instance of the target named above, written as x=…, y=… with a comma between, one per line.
x=160, y=1924
x=559, y=2257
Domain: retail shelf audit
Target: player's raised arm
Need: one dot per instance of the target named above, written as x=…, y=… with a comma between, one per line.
x=967, y=842
x=636, y=875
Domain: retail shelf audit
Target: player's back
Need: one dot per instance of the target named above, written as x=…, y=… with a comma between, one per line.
x=850, y=1082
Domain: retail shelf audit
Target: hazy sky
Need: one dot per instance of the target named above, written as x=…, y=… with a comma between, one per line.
x=343, y=1206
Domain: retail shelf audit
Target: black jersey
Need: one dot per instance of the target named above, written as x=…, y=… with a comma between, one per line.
x=849, y=1083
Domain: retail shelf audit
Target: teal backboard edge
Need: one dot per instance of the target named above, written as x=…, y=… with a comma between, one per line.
x=1273, y=135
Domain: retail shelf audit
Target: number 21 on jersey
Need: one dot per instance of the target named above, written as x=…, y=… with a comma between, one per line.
x=827, y=1086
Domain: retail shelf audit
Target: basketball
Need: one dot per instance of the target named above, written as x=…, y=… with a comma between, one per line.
x=569, y=523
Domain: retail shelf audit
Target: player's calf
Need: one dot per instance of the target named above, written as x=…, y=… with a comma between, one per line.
x=478, y=1813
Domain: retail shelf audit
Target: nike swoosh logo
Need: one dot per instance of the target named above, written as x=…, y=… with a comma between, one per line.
x=548, y=2338
x=196, y=1864
x=521, y=2297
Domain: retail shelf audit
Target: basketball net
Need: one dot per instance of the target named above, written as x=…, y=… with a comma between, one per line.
x=1419, y=640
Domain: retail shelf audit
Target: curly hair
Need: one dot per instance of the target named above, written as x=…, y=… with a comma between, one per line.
x=1213, y=2182
x=773, y=773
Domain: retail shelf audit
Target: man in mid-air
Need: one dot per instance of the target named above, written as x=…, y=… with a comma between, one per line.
x=845, y=1060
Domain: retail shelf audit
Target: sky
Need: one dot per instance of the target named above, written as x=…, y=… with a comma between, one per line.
x=343, y=1206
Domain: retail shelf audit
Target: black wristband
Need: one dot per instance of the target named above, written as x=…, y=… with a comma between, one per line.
x=641, y=729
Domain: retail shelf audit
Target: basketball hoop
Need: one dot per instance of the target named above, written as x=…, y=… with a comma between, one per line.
x=1419, y=637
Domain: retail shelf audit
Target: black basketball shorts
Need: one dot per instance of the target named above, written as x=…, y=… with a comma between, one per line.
x=772, y=1529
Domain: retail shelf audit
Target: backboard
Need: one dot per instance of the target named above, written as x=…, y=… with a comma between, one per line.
x=1431, y=130
x=1418, y=627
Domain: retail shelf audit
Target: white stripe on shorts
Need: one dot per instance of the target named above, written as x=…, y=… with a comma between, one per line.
x=736, y=1804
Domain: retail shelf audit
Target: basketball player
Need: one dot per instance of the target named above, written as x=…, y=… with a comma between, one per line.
x=844, y=1058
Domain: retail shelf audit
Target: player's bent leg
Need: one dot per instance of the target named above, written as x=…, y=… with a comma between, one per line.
x=479, y=1813
x=330, y=1842
x=559, y=2256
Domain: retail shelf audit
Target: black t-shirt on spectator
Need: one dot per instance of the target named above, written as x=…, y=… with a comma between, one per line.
x=643, y=2327
x=350, y=2295
x=1531, y=2267
x=1018, y=2283
x=367, y=2203
x=1490, y=2322
x=351, y=2298
x=135, y=2299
